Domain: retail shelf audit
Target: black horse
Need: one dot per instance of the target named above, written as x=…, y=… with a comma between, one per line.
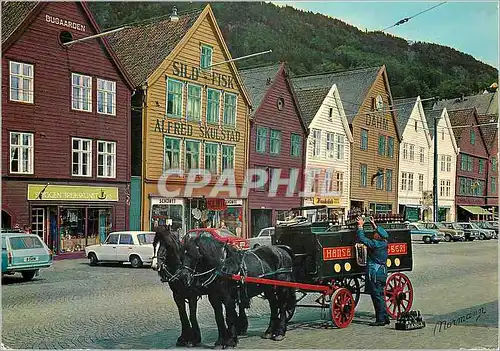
x=167, y=260
x=203, y=255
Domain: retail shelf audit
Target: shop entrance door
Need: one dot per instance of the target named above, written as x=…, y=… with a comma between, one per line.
x=260, y=219
x=6, y=220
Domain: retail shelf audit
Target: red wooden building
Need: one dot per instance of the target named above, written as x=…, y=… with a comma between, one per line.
x=277, y=141
x=472, y=164
x=65, y=130
x=490, y=133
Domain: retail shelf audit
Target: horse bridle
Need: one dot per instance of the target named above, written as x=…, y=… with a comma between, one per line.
x=214, y=272
x=170, y=277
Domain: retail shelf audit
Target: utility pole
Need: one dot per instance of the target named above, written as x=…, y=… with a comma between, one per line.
x=435, y=185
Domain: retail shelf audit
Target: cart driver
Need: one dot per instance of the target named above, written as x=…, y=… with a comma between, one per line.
x=376, y=268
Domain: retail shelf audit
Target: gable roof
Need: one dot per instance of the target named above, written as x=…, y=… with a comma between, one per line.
x=310, y=101
x=258, y=80
x=404, y=108
x=489, y=132
x=484, y=103
x=142, y=48
x=13, y=15
x=463, y=118
x=353, y=86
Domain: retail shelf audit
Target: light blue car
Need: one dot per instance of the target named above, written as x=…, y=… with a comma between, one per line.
x=420, y=233
x=24, y=253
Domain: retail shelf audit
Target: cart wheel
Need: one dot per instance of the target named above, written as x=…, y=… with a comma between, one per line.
x=353, y=284
x=398, y=294
x=342, y=307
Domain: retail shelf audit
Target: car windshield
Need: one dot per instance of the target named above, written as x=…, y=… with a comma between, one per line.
x=25, y=242
x=146, y=238
x=439, y=225
x=225, y=233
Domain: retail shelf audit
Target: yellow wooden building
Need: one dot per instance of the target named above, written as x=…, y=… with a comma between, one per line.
x=189, y=111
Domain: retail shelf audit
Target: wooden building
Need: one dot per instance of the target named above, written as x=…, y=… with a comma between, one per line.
x=65, y=126
x=277, y=135
x=190, y=111
x=490, y=133
x=472, y=165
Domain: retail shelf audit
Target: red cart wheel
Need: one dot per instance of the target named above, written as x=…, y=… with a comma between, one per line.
x=342, y=307
x=398, y=294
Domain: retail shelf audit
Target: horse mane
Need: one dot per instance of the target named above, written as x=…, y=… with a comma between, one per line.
x=213, y=249
x=170, y=241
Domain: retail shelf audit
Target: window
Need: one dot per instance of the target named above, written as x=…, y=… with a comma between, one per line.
x=192, y=154
x=472, y=137
x=21, y=153
x=340, y=182
x=363, y=170
x=467, y=163
x=494, y=163
x=329, y=180
x=416, y=126
x=422, y=155
x=380, y=180
x=448, y=188
x=340, y=139
x=227, y=157
x=211, y=156
x=390, y=147
x=213, y=106
x=493, y=184
x=481, y=166
x=364, y=139
x=261, y=142
x=230, y=109
x=470, y=164
x=82, y=157
x=172, y=153
x=106, y=159
x=264, y=186
x=330, y=113
x=463, y=185
x=126, y=239
x=106, y=96
x=410, y=181
x=193, y=112
x=448, y=163
x=316, y=140
x=112, y=239
x=21, y=82
x=330, y=145
x=81, y=87
x=206, y=56
x=405, y=151
x=381, y=145
x=313, y=178
x=296, y=145
x=412, y=152
x=442, y=188
x=443, y=163
x=442, y=134
x=275, y=142
x=38, y=221
x=420, y=182
x=404, y=181
x=174, y=98
x=388, y=179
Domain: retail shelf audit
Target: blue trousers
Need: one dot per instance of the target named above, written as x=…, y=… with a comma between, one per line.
x=376, y=278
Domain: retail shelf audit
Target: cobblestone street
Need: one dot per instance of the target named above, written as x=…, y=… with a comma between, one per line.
x=72, y=305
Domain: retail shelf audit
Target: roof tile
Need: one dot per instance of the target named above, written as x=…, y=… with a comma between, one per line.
x=13, y=15
x=257, y=81
x=484, y=103
x=404, y=108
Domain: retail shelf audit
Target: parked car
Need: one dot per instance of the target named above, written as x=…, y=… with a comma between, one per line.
x=488, y=226
x=420, y=233
x=482, y=234
x=470, y=234
x=449, y=233
x=265, y=237
x=222, y=235
x=25, y=254
x=135, y=247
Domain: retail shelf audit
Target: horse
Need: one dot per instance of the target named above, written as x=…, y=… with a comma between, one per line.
x=167, y=260
x=203, y=255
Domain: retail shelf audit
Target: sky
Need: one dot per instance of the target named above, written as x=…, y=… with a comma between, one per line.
x=471, y=27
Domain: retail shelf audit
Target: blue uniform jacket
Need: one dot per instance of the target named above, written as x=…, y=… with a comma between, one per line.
x=377, y=249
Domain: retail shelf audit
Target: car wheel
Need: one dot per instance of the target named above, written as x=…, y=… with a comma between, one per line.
x=427, y=240
x=28, y=275
x=447, y=238
x=481, y=236
x=93, y=259
x=135, y=261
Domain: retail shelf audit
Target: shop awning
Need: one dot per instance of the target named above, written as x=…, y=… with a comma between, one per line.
x=476, y=210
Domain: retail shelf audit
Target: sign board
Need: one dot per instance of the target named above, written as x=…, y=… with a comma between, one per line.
x=202, y=131
x=337, y=253
x=43, y=192
x=328, y=200
x=166, y=201
x=234, y=202
x=397, y=249
x=216, y=204
x=65, y=23
x=182, y=70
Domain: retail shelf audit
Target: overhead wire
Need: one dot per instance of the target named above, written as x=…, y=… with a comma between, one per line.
x=406, y=19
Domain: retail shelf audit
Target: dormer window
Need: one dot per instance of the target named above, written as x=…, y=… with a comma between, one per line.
x=379, y=103
x=206, y=56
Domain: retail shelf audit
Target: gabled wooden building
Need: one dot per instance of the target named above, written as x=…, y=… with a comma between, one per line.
x=65, y=126
x=190, y=111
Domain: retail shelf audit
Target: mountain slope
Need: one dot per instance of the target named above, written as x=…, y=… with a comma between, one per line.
x=313, y=43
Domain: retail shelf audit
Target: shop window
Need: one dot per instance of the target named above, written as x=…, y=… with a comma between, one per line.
x=174, y=98
x=81, y=92
x=21, y=82
x=230, y=218
x=194, y=102
x=99, y=225
x=161, y=214
x=106, y=97
x=72, y=229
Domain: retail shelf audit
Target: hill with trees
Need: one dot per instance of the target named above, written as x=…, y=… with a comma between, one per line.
x=314, y=43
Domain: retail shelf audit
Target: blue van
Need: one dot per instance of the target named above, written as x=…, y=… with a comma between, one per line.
x=24, y=253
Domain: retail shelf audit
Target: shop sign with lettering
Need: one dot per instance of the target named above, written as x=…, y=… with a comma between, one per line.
x=380, y=122
x=65, y=23
x=43, y=192
x=216, y=204
x=328, y=201
x=234, y=202
x=166, y=201
x=204, y=132
x=182, y=70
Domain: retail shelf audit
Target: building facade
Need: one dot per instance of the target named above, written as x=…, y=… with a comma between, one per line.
x=471, y=165
x=277, y=135
x=328, y=147
x=193, y=115
x=490, y=132
x=415, y=161
x=66, y=126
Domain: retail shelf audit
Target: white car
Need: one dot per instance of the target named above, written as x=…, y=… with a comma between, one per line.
x=129, y=246
x=265, y=237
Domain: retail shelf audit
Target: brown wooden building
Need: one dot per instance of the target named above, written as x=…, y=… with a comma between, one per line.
x=277, y=142
x=490, y=133
x=65, y=130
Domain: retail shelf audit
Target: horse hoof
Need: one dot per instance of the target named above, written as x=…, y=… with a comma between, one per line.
x=266, y=336
x=278, y=337
x=181, y=343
